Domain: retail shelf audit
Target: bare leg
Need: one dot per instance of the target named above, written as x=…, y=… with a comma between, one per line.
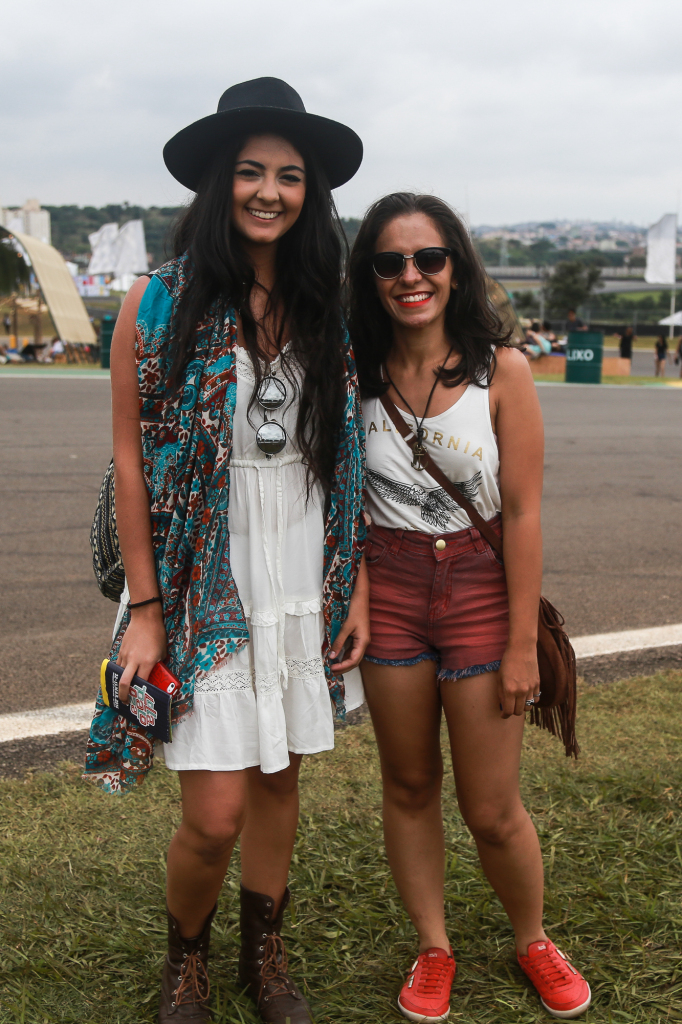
x=405, y=708
x=486, y=751
x=269, y=834
x=213, y=812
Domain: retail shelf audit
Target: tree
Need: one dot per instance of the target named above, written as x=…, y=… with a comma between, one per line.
x=541, y=251
x=526, y=303
x=570, y=286
x=13, y=269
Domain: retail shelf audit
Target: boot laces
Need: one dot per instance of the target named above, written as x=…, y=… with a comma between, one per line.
x=274, y=968
x=554, y=969
x=431, y=976
x=194, y=985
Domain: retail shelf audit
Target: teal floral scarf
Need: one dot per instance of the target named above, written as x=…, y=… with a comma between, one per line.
x=186, y=445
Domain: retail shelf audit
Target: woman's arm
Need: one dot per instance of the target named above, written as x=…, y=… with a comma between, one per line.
x=144, y=642
x=520, y=438
x=356, y=625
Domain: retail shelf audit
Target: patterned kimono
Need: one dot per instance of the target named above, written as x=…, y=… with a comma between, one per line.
x=186, y=445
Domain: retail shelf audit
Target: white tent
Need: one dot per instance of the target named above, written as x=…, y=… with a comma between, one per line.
x=103, y=245
x=674, y=321
x=119, y=252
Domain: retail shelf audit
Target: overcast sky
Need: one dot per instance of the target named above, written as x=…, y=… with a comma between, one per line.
x=524, y=110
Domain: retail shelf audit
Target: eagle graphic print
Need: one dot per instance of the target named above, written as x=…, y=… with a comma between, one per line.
x=435, y=504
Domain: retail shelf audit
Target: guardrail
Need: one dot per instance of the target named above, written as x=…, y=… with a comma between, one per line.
x=608, y=273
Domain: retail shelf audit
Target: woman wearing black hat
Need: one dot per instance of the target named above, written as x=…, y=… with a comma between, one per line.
x=238, y=451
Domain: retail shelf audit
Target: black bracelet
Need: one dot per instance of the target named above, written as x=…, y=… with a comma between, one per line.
x=140, y=604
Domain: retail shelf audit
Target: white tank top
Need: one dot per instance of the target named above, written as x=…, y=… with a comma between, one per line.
x=460, y=441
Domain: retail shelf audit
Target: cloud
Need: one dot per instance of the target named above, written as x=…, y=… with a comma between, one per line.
x=509, y=111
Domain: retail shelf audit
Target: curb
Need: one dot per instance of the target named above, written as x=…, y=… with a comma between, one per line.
x=19, y=725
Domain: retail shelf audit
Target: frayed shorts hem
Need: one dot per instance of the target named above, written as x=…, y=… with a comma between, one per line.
x=465, y=673
x=444, y=674
x=399, y=662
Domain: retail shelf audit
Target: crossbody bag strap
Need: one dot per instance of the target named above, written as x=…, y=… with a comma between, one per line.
x=476, y=518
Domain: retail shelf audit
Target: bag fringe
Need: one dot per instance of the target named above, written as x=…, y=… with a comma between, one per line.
x=559, y=721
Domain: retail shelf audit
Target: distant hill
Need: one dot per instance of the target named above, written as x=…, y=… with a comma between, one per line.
x=71, y=226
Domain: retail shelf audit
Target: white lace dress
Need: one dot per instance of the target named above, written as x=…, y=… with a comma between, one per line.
x=270, y=697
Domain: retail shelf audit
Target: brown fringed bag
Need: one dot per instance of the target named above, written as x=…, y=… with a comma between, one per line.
x=556, y=708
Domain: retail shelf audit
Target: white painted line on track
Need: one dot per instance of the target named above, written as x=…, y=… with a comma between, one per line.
x=629, y=640
x=21, y=725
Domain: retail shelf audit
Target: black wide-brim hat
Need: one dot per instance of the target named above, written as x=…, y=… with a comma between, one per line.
x=262, y=105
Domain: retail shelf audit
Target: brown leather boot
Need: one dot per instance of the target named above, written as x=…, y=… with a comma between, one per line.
x=263, y=961
x=185, y=987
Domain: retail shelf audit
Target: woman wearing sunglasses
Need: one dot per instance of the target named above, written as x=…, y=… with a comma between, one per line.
x=238, y=453
x=453, y=630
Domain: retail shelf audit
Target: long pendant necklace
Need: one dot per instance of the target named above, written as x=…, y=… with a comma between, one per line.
x=418, y=448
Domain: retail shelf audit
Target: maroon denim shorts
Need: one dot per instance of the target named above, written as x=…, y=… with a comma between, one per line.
x=446, y=605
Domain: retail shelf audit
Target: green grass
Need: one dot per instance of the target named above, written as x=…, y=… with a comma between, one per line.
x=53, y=369
x=82, y=930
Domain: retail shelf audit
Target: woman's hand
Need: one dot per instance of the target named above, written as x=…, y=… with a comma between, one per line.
x=519, y=679
x=143, y=644
x=356, y=626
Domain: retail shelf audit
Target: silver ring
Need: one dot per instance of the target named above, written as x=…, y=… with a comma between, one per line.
x=532, y=703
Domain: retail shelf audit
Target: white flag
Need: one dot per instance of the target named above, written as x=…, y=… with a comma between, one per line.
x=661, y=245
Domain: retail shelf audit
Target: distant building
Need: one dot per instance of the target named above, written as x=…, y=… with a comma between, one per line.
x=31, y=220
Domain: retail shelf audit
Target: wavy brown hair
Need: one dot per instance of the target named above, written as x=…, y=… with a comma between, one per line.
x=471, y=321
x=307, y=297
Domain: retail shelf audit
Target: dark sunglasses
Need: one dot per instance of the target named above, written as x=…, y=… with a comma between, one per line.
x=389, y=265
x=271, y=437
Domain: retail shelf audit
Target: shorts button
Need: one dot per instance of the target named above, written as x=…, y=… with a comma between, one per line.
x=440, y=545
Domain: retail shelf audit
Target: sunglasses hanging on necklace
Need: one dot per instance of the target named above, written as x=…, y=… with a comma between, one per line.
x=271, y=437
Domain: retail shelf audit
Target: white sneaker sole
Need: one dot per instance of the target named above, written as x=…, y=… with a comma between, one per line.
x=569, y=1014
x=419, y=1018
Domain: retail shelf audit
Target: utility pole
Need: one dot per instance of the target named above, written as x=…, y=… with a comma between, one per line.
x=671, y=334
x=37, y=318
x=15, y=320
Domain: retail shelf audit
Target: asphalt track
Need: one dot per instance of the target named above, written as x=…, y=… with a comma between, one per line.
x=611, y=522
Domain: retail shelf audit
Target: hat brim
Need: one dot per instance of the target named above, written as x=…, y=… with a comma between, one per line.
x=188, y=154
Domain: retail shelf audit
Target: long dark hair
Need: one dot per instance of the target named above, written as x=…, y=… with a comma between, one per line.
x=471, y=320
x=307, y=295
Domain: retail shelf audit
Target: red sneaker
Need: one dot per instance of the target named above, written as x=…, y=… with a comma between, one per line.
x=563, y=991
x=425, y=996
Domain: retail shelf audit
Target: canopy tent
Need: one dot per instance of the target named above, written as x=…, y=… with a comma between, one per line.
x=68, y=313
x=122, y=253
x=674, y=321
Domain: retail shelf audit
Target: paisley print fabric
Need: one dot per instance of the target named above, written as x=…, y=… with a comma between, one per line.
x=186, y=445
